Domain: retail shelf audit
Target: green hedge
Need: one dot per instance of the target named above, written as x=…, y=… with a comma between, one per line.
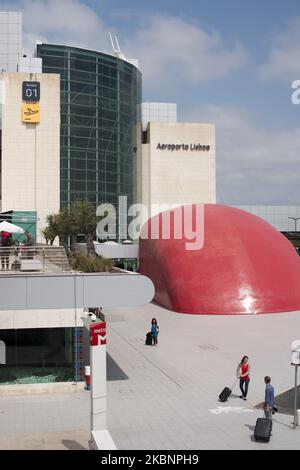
x=91, y=265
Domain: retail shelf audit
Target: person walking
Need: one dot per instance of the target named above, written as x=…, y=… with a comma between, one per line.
x=269, y=398
x=154, y=331
x=28, y=238
x=6, y=241
x=28, y=243
x=243, y=373
x=2, y=254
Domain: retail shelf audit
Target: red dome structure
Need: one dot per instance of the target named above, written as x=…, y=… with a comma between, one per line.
x=244, y=267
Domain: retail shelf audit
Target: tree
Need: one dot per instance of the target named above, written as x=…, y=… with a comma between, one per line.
x=77, y=219
x=85, y=219
x=49, y=235
x=51, y=231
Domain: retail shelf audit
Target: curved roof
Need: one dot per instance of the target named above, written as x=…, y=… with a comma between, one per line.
x=132, y=62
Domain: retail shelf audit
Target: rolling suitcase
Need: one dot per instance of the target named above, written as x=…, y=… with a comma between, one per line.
x=225, y=394
x=263, y=429
x=148, y=341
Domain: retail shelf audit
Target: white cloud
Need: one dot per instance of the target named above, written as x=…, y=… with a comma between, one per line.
x=60, y=21
x=172, y=50
x=283, y=61
x=256, y=165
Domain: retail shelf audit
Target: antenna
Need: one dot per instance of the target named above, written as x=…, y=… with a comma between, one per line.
x=116, y=47
x=116, y=39
x=113, y=44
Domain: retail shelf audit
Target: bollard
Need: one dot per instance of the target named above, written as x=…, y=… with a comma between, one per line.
x=87, y=373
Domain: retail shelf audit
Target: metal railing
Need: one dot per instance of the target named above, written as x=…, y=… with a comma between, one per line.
x=24, y=258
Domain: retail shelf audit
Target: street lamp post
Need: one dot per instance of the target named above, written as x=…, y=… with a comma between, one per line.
x=295, y=361
x=295, y=219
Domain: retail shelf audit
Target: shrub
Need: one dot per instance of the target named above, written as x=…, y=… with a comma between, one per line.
x=91, y=265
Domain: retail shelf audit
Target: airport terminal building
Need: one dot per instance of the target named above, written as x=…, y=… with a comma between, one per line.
x=30, y=146
x=71, y=128
x=176, y=165
x=100, y=94
x=89, y=136
x=82, y=142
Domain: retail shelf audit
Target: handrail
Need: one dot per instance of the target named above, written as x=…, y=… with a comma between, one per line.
x=52, y=258
x=33, y=247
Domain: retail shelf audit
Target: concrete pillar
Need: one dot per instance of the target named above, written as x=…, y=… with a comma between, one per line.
x=98, y=376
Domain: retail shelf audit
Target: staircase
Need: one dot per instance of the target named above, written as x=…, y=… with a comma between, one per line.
x=54, y=258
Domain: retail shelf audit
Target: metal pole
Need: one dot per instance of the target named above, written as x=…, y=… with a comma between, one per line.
x=295, y=399
x=76, y=332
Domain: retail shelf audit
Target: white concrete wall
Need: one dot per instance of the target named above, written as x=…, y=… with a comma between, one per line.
x=31, y=65
x=179, y=176
x=23, y=319
x=30, y=171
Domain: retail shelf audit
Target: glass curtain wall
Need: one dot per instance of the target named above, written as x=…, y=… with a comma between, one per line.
x=36, y=355
x=99, y=100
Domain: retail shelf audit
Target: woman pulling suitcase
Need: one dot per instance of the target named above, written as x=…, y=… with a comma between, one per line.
x=243, y=373
x=154, y=331
x=151, y=337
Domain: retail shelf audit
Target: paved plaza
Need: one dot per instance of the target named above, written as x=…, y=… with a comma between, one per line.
x=166, y=397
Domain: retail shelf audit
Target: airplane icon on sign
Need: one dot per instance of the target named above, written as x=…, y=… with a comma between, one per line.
x=30, y=112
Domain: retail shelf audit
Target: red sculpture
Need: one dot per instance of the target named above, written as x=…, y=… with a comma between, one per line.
x=244, y=267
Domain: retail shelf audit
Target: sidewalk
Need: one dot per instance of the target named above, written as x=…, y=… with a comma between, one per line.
x=167, y=401
x=166, y=397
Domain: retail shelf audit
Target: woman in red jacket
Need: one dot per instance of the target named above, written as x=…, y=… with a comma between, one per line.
x=243, y=373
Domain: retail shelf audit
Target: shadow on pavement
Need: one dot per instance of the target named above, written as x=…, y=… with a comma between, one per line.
x=290, y=426
x=72, y=445
x=251, y=427
x=285, y=402
x=114, y=372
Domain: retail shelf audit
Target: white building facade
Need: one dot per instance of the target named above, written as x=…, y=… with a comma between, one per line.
x=176, y=164
x=10, y=41
x=30, y=155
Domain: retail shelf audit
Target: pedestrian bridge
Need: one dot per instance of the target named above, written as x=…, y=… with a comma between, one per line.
x=74, y=290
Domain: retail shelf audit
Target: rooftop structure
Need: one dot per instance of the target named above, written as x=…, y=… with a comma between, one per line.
x=157, y=112
x=10, y=41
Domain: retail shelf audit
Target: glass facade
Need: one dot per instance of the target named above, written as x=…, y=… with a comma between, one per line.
x=281, y=217
x=100, y=95
x=36, y=355
x=10, y=40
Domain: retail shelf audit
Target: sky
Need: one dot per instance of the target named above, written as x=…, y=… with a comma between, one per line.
x=229, y=62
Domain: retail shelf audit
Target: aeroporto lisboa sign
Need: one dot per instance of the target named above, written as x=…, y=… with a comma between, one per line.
x=185, y=147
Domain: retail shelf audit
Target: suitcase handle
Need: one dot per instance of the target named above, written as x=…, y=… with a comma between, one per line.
x=234, y=384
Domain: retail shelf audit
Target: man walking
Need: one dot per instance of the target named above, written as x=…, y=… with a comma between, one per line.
x=263, y=427
x=269, y=398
